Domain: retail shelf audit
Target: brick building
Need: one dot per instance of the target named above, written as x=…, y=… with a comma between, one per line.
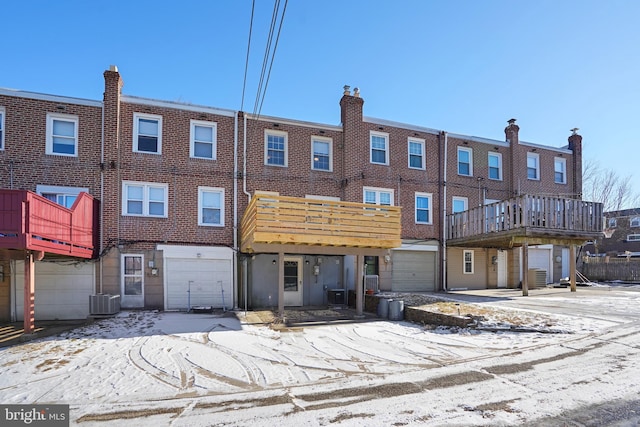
x=192, y=203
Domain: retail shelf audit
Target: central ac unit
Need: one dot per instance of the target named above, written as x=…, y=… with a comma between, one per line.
x=104, y=304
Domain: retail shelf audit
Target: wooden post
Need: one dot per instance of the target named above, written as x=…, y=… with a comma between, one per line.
x=525, y=268
x=29, y=294
x=359, y=278
x=281, y=285
x=572, y=267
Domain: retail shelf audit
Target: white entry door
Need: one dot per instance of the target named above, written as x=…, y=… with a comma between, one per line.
x=502, y=269
x=293, y=281
x=132, y=281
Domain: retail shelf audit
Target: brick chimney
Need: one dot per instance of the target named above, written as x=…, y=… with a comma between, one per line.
x=354, y=141
x=575, y=145
x=516, y=162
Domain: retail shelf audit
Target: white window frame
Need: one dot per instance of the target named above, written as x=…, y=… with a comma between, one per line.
x=268, y=132
x=201, y=191
x=2, y=129
x=60, y=192
x=536, y=157
x=499, y=157
x=123, y=274
x=146, y=186
x=470, y=152
x=633, y=237
x=385, y=136
x=634, y=222
x=322, y=140
x=51, y=117
x=455, y=199
x=136, y=119
x=214, y=136
x=563, y=166
x=465, y=262
x=429, y=197
x=423, y=155
x=613, y=223
x=377, y=192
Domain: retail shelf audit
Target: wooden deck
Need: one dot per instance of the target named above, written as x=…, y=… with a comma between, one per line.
x=293, y=221
x=528, y=218
x=33, y=223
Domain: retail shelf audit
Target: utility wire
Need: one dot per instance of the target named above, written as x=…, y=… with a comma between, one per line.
x=246, y=63
x=275, y=47
x=267, y=51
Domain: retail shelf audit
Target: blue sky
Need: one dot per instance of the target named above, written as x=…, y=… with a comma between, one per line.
x=461, y=66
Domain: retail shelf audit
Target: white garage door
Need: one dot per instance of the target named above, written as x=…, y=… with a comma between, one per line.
x=198, y=282
x=414, y=271
x=541, y=258
x=62, y=290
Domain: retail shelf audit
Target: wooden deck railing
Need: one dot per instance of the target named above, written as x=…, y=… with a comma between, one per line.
x=300, y=221
x=542, y=213
x=31, y=222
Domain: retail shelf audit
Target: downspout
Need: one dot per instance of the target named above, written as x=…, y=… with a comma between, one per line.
x=102, y=166
x=444, y=217
x=245, y=283
x=235, y=211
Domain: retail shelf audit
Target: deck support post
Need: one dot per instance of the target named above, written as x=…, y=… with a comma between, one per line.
x=359, y=278
x=29, y=293
x=572, y=267
x=281, y=285
x=525, y=268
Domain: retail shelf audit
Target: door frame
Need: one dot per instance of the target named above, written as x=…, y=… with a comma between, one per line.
x=501, y=269
x=295, y=299
x=131, y=301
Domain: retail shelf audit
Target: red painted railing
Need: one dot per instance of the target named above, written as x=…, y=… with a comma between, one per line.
x=31, y=222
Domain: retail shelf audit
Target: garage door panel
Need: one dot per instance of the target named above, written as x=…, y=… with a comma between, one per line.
x=200, y=282
x=414, y=271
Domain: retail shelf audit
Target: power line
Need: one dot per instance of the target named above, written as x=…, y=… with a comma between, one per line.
x=246, y=64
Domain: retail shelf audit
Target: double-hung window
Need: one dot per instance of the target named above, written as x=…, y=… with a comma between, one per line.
x=495, y=166
x=321, y=154
x=203, y=140
x=465, y=161
x=147, y=133
x=211, y=206
x=459, y=204
x=62, y=134
x=467, y=262
x=533, y=166
x=416, y=153
x=613, y=223
x=635, y=222
x=275, y=148
x=144, y=199
x=423, y=208
x=560, y=167
x=379, y=148
x=1, y=128
x=65, y=196
x=378, y=196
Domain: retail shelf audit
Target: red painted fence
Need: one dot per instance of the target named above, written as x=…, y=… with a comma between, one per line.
x=31, y=222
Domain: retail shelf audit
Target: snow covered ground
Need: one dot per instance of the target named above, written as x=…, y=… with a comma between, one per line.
x=156, y=369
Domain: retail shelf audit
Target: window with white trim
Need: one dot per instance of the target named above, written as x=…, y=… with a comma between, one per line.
x=1, y=128
x=465, y=161
x=424, y=208
x=635, y=222
x=633, y=238
x=133, y=274
x=416, y=153
x=495, y=166
x=147, y=133
x=65, y=196
x=560, y=169
x=275, y=148
x=62, y=134
x=613, y=223
x=533, y=166
x=144, y=199
x=203, y=139
x=378, y=196
x=321, y=153
x=379, y=148
x=211, y=206
x=459, y=204
x=467, y=262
